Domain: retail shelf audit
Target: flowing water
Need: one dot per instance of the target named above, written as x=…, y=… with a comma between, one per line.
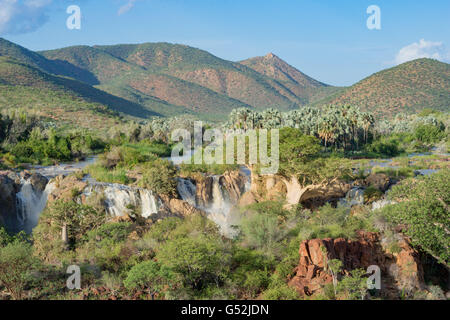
x=30, y=204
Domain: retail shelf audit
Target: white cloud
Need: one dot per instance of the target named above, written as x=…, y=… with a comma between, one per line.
x=422, y=49
x=127, y=7
x=22, y=16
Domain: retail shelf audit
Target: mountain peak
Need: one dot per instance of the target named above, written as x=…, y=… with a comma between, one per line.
x=270, y=56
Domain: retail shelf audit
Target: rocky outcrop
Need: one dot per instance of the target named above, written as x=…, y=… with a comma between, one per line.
x=400, y=270
x=275, y=187
x=8, y=191
x=66, y=188
x=180, y=208
x=233, y=183
x=379, y=180
x=204, y=191
x=38, y=181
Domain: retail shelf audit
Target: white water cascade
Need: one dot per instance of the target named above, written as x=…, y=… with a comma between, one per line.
x=30, y=204
x=187, y=191
x=354, y=197
x=120, y=199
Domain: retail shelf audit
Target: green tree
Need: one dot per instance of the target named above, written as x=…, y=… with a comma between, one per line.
x=159, y=177
x=16, y=262
x=150, y=276
x=334, y=267
x=423, y=207
x=199, y=260
x=355, y=286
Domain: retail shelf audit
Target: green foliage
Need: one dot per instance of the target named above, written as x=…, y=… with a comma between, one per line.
x=329, y=222
x=159, y=176
x=384, y=147
x=151, y=276
x=280, y=291
x=424, y=208
x=73, y=218
x=428, y=133
x=198, y=260
x=354, y=286
x=16, y=262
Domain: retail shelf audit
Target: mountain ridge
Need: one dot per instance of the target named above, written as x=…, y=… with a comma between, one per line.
x=165, y=79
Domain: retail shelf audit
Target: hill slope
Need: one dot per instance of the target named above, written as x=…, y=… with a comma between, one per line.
x=183, y=76
x=409, y=87
x=57, y=67
x=60, y=98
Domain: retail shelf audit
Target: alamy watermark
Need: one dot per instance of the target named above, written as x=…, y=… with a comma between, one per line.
x=74, y=20
x=230, y=147
x=74, y=280
x=374, y=20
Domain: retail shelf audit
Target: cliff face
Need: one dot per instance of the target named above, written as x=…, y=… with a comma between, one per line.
x=8, y=190
x=399, y=271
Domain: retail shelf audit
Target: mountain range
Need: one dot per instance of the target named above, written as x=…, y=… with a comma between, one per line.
x=162, y=79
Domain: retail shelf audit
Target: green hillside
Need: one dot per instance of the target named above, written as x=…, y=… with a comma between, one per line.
x=181, y=76
x=59, y=98
x=409, y=87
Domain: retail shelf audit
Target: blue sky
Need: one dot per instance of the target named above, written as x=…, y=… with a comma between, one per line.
x=328, y=40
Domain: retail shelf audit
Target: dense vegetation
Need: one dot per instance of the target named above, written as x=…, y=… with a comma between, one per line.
x=48, y=118
x=408, y=87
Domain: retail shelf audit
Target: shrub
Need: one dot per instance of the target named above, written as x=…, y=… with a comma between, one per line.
x=423, y=208
x=150, y=276
x=16, y=262
x=159, y=177
x=199, y=260
x=428, y=133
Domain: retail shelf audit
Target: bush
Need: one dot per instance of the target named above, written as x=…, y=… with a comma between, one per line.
x=428, y=133
x=150, y=276
x=159, y=176
x=280, y=291
x=199, y=260
x=423, y=208
x=384, y=147
x=16, y=262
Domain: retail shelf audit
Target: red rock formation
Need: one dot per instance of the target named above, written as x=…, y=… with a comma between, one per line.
x=311, y=275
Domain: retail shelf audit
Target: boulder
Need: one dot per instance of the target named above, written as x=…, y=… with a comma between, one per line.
x=379, y=180
x=247, y=199
x=38, y=181
x=233, y=182
x=8, y=190
x=204, y=191
x=182, y=208
x=403, y=268
x=64, y=188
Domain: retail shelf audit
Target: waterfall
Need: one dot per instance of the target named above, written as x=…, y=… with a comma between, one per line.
x=121, y=199
x=219, y=210
x=354, y=197
x=187, y=191
x=149, y=203
x=30, y=204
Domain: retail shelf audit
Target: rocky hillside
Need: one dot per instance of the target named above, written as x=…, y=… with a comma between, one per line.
x=181, y=76
x=165, y=79
x=303, y=86
x=60, y=98
x=409, y=87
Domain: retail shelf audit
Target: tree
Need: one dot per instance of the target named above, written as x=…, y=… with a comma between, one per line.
x=199, y=260
x=334, y=267
x=73, y=219
x=355, y=285
x=16, y=262
x=302, y=167
x=423, y=206
x=159, y=177
x=151, y=276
